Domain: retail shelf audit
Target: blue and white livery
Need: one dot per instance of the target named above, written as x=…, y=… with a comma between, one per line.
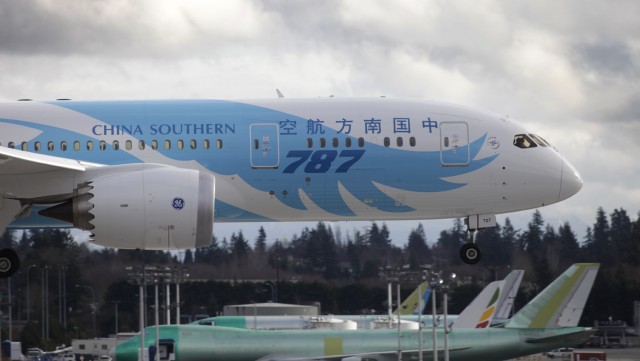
x=157, y=174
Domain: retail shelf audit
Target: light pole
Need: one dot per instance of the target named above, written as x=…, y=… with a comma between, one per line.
x=433, y=320
x=93, y=306
x=116, y=303
x=445, y=290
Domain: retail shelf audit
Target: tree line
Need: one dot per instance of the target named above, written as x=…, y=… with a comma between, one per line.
x=319, y=265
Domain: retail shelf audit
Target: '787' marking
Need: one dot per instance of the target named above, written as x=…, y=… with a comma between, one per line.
x=320, y=161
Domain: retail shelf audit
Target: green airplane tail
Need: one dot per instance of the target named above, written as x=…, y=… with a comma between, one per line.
x=561, y=303
x=412, y=304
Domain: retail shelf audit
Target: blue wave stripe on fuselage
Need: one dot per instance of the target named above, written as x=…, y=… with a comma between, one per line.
x=230, y=123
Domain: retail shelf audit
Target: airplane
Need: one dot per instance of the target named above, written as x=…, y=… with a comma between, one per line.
x=549, y=321
x=498, y=295
x=156, y=174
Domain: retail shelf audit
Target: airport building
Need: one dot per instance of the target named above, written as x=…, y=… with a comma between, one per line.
x=270, y=309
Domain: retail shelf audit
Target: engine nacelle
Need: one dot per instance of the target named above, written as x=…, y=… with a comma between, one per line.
x=143, y=207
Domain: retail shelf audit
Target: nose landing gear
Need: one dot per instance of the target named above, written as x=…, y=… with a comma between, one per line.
x=470, y=252
x=9, y=262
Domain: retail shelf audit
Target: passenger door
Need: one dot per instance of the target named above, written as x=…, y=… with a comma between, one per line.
x=454, y=143
x=265, y=148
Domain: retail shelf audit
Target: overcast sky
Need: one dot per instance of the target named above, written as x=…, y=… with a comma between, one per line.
x=568, y=70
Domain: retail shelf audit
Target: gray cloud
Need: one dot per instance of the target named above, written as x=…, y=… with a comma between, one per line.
x=569, y=69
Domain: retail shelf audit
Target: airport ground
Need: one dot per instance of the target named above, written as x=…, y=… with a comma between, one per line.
x=613, y=354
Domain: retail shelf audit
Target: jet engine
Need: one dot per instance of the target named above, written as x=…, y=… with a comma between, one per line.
x=142, y=206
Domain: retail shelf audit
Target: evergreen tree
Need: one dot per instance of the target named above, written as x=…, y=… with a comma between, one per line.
x=632, y=249
x=239, y=247
x=620, y=235
x=321, y=252
x=261, y=241
x=379, y=238
x=598, y=245
x=497, y=249
x=7, y=240
x=448, y=245
x=188, y=257
x=568, y=246
x=417, y=250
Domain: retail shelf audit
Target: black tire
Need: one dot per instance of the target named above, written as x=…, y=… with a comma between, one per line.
x=9, y=262
x=470, y=253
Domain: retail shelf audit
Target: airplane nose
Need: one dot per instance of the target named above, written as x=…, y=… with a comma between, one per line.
x=571, y=181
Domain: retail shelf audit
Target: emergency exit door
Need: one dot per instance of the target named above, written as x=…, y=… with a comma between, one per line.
x=265, y=148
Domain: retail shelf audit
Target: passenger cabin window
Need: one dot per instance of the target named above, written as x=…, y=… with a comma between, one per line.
x=387, y=141
x=323, y=142
x=361, y=142
x=335, y=142
x=347, y=142
x=206, y=144
x=103, y=145
x=154, y=144
x=523, y=141
x=11, y=145
x=50, y=146
x=24, y=146
x=412, y=141
x=37, y=146
x=167, y=144
x=115, y=145
x=141, y=144
x=399, y=141
x=89, y=145
x=76, y=146
x=193, y=144
x=128, y=145
x=63, y=146
x=219, y=143
x=309, y=143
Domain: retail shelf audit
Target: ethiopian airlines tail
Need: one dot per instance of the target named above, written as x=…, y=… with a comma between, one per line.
x=412, y=304
x=495, y=296
x=561, y=303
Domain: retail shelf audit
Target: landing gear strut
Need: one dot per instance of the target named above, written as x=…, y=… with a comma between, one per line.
x=9, y=262
x=470, y=252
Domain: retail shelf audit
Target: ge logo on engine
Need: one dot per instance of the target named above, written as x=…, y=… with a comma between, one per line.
x=177, y=203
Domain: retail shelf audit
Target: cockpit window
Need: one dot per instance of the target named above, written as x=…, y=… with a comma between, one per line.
x=541, y=142
x=523, y=141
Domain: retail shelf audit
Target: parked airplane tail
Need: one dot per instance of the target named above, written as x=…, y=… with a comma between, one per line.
x=493, y=298
x=561, y=303
x=411, y=305
x=511, y=286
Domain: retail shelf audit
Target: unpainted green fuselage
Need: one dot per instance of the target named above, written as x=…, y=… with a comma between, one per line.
x=200, y=343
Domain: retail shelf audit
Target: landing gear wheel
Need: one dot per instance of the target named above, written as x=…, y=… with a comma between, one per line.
x=9, y=262
x=470, y=253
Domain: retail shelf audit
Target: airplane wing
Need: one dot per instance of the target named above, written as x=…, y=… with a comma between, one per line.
x=17, y=162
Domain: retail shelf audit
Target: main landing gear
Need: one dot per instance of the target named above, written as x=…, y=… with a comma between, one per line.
x=470, y=252
x=9, y=262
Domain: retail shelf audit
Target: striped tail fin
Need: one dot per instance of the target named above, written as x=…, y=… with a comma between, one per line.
x=411, y=305
x=561, y=303
x=489, y=302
